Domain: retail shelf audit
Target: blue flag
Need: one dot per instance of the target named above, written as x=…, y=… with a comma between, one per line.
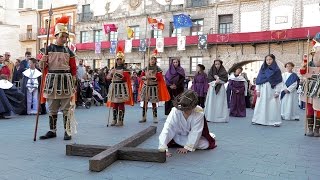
x=181, y=20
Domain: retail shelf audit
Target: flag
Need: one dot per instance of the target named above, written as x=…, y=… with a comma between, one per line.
x=160, y=44
x=181, y=43
x=110, y=27
x=143, y=45
x=202, y=42
x=128, y=46
x=182, y=20
x=97, y=47
x=130, y=32
x=113, y=47
x=156, y=23
x=152, y=20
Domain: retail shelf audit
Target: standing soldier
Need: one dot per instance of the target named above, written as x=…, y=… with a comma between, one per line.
x=154, y=87
x=120, y=91
x=311, y=85
x=59, y=84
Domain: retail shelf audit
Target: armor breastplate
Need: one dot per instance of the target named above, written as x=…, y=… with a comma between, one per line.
x=58, y=61
x=116, y=76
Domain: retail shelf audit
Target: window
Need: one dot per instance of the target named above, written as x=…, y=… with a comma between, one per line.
x=86, y=13
x=98, y=35
x=197, y=3
x=225, y=24
x=174, y=32
x=29, y=31
x=159, y=59
x=97, y=63
x=46, y=23
x=40, y=4
x=21, y=3
x=136, y=31
x=113, y=36
x=194, y=61
x=84, y=36
x=156, y=33
x=197, y=27
x=111, y=63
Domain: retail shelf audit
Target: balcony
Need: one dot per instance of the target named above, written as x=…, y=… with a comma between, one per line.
x=23, y=37
x=197, y=3
x=43, y=31
x=85, y=17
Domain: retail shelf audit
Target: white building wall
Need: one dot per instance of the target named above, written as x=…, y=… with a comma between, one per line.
x=251, y=21
x=281, y=17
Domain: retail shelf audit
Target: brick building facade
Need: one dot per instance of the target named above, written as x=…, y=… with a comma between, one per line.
x=230, y=18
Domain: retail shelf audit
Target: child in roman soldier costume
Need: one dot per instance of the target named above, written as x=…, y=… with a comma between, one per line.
x=120, y=91
x=59, y=66
x=152, y=88
x=311, y=90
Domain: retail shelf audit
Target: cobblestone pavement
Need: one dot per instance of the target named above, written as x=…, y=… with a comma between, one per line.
x=244, y=151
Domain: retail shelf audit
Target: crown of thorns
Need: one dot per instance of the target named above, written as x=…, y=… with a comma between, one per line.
x=186, y=101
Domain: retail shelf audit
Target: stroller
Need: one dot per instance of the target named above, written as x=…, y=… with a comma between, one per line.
x=85, y=91
x=97, y=98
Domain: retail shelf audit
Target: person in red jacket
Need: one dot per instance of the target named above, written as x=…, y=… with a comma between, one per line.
x=59, y=86
x=4, y=70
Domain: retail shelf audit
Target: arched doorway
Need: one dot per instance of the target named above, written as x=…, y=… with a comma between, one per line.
x=250, y=67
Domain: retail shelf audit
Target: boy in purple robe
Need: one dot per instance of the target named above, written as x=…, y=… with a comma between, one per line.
x=238, y=91
x=200, y=84
x=174, y=78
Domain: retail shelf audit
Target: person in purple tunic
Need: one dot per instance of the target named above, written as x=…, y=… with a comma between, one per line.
x=174, y=77
x=238, y=91
x=200, y=84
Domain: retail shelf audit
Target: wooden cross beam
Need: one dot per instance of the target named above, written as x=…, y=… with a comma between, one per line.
x=103, y=156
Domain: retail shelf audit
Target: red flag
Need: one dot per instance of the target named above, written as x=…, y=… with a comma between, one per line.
x=161, y=26
x=110, y=27
x=152, y=20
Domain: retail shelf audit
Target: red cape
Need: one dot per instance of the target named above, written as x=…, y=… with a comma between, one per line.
x=162, y=88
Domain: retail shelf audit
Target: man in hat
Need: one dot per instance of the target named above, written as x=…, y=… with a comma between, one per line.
x=9, y=64
x=153, y=89
x=59, y=85
x=120, y=91
x=186, y=126
x=312, y=96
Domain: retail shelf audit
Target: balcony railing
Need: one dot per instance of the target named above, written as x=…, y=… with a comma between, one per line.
x=197, y=3
x=29, y=36
x=85, y=17
x=43, y=31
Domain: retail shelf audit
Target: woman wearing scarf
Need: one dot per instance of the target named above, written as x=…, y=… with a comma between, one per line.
x=237, y=84
x=269, y=82
x=175, y=83
x=200, y=84
x=289, y=95
x=216, y=108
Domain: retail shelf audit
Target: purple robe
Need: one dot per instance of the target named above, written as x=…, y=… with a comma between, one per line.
x=200, y=84
x=237, y=102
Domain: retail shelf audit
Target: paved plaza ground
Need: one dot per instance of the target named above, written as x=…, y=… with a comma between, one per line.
x=244, y=151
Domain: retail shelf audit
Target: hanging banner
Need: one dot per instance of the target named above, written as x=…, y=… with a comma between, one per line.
x=143, y=45
x=128, y=46
x=113, y=47
x=160, y=44
x=181, y=43
x=97, y=47
x=202, y=42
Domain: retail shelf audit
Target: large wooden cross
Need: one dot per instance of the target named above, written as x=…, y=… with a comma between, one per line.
x=103, y=156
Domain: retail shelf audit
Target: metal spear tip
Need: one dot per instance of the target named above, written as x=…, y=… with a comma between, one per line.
x=50, y=11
